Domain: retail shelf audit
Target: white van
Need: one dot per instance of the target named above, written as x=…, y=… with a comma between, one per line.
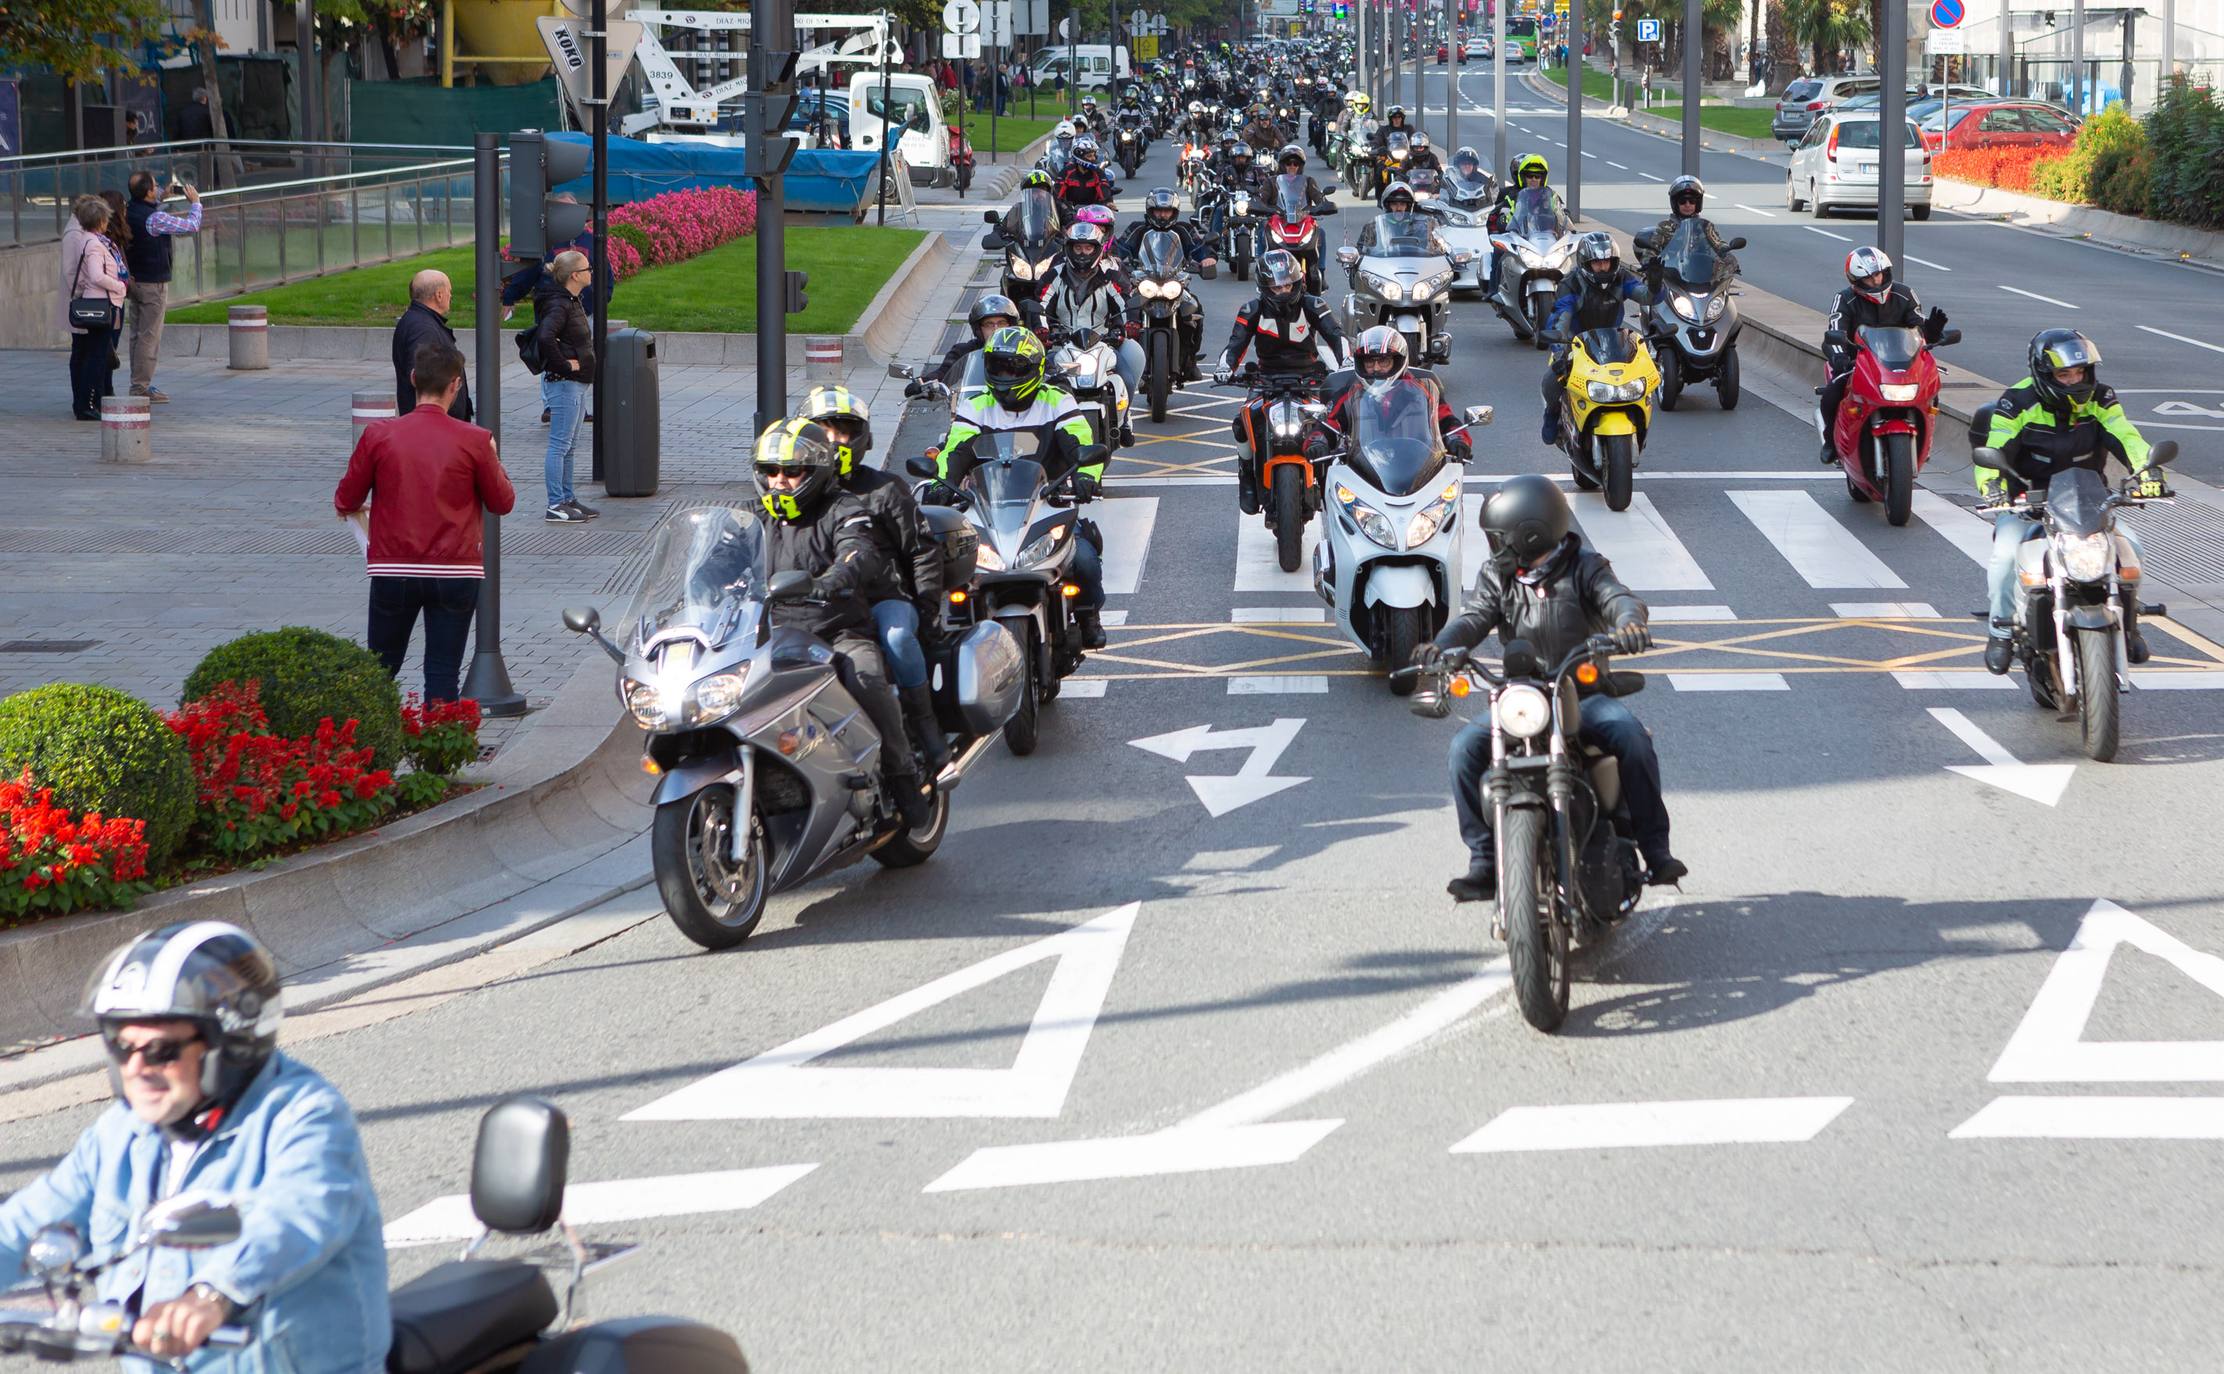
x=1097, y=62
x=914, y=106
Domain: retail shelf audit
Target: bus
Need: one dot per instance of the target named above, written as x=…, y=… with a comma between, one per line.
x=1521, y=38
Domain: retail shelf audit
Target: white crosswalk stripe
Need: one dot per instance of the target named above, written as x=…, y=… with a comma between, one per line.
x=1645, y=553
x=1819, y=549
x=1127, y=522
x=1257, y=569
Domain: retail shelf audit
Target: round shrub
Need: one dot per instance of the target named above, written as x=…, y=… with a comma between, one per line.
x=307, y=675
x=101, y=750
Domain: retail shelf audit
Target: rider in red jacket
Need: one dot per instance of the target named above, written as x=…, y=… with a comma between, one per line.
x=1084, y=181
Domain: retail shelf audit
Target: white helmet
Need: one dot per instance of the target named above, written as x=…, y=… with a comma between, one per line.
x=1064, y=129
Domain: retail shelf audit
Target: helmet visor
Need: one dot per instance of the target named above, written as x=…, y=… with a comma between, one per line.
x=2077, y=351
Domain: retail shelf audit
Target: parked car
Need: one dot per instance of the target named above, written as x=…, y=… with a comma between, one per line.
x=1806, y=98
x=1997, y=124
x=1872, y=99
x=1834, y=166
x=1462, y=50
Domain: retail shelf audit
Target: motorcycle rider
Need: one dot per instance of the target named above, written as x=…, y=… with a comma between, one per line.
x=1236, y=171
x=1084, y=182
x=1085, y=299
x=1543, y=585
x=1392, y=123
x=989, y=314
x=1019, y=399
x=2059, y=417
x=1467, y=165
x=1378, y=360
x=189, y=1015
x=909, y=593
x=1259, y=129
x=1036, y=180
x=1399, y=218
x=1687, y=197
x=1530, y=172
x=1871, y=300
x=1590, y=298
x=816, y=527
x=1294, y=334
x=1423, y=155
x=1162, y=211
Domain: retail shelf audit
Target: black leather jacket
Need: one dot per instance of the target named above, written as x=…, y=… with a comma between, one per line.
x=911, y=560
x=1295, y=344
x=1576, y=597
x=837, y=549
x=1853, y=311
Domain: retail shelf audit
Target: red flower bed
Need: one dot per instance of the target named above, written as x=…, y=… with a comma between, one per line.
x=258, y=790
x=676, y=226
x=2009, y=169
x=440, y=736
x=52, y=862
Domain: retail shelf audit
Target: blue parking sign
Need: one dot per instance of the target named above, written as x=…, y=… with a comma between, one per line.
x=1648, y=30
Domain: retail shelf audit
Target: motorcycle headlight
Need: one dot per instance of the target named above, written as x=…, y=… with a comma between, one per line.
x=1041, y=549
x=2085, y=557
x=1433, y=517
x=1615, y=391
x=1715, y=306
x=1682, y=306
x=1897, y=391
x=1522, y=711
x=1433, y=285
x=1391, y=291
x=1371, y=522
x=1557, y=259
x=986, y=558
x=1022, y=270
x=716, y=698
x=1532, y=260
x=642, y=703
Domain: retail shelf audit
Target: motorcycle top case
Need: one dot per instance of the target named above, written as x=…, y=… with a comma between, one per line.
x=987, y=672
x=959, y=540
x=639, y=1345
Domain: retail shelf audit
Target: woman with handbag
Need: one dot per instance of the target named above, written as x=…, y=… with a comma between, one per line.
x=118, y=234
x=92, y=298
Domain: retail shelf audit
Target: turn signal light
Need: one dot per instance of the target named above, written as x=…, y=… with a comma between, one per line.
x=1459, y=686
x=788, y=741
x=1587, y=674
x=650, y=766
x=1069, y=591
x=957, y=598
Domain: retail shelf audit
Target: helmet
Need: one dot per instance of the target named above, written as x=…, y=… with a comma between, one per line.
x=1240, y=153
x=217, y=976
x=1467, y=160
x=796, y=445
x=1290, y=152
x=1594, y=248
x=1379, y=357
x=1862, y=264
x=1360, y=101
x=1098, y=215
x=1525, y=519
x=1420, y=141
x=1038, y=177
x=1687, y=187
x=2060, y=348
x=1064, y=129
x=1013, y=360
x=1161, y=208
x=1398, y=190
x=1196, y=107
x=1531, y=164
x=839, y=403
x=1084, y=245
x=990, y=307
x=1397, y=112
x=1085, y=149
x=1281, y=281
x=1089, y=102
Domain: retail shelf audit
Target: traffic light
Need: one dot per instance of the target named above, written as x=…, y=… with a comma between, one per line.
x=767, y=149
x=538, y=165
x=798, y=298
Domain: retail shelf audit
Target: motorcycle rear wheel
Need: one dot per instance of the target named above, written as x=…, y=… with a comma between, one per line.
x=1618, y=465
x=690, y=848
x=1899, y=476
x=1159, y=376
x=1536, y=941
x=915, y=847
x=1024, y=730
x=2099, y=710
x=1289, y=518
x=1401, y=635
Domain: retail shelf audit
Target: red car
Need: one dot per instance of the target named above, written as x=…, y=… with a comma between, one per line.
x=1998, y=124
x=1462, y=51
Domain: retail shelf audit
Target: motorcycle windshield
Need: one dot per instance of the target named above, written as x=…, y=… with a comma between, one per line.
x=1537, y=215
x=1690, y=261
x=1609, y=346
x=2077, y=501
x=1896, y=349
x=1398, y=142
x=1160, y=255
x=1003, y=491
x=1395, y=443
x=972, y=381
x=1466, y=187
x=1404, y=236
x=1035, y=217
x=1290, y=199
x=704, y=562
x=1425, y=181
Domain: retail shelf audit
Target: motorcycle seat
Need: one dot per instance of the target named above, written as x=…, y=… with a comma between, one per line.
x=463, y=1313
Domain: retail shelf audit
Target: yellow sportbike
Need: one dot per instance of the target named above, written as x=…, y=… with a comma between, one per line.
x=1606, y=409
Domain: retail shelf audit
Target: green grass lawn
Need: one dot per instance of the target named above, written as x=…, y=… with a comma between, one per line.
x=715, y=293
x=1726, y=119
x=1012, y=134
x=1596, y=85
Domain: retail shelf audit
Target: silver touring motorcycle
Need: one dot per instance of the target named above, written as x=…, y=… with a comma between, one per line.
x=768, y=769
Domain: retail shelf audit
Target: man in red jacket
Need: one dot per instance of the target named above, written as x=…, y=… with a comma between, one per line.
x=434, y=478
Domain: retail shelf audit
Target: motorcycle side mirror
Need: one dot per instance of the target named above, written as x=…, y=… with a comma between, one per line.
x=1093, y=455
x=792, y=585
x=1734, y=244
x=1836, y=339
x=989, y=217
x=1327, y=208
x=1988, y=458
x=1624, y=682
x=919, y=467
x=582, y=620
x=1347, y=256
x=189, y=1221
x=1947, y=336
x=903, y=372
x=2163, y=452
x=1330, y=189
x=1644, y=240
x=1480, y=415
x=1462, y=259
x=522, y=1158
x=53, y=1252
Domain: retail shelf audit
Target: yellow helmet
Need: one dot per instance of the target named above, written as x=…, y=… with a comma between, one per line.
x=796, y=445
x=1359, y=101
x=826, y=403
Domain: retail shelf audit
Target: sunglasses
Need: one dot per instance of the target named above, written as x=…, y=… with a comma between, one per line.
x=157, y=1054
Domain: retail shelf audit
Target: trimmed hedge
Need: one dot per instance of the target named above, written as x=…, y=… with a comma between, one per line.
x=2167, y=166
x=307, y=676
x=101, y=750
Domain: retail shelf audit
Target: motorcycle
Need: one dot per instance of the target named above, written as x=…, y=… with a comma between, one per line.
x=1888, y=417
x=1357, y=158
x=1388, y=561
x=1563, y=877
x=1160, y=273
x=1191, y=170
x=1084, y=363
x=1404, y=281
x=768, y=770
x=1241, y=238
x=1533, y=254
x=1461, y=209
x=1289, y=485
x=1693, y=322
x=1128, y=147
x=481, y=1316
x=1292, y=225
x=2069, y=617
x=1390, y=162
x=1028, y=236
x=1024, y=526
x=1606, y=408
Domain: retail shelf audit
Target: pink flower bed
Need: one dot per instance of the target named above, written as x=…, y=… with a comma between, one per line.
x=678, y=225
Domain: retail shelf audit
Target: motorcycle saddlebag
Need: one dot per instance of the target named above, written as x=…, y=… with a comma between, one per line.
x=960, y=544
x=639, y=1345
x=985, y=675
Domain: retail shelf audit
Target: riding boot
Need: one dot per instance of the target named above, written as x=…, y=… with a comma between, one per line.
x=2135, y=643
x=1247, y=486
x=912, y=801
x=925, y=730
x=1091, y=623
x=1999, y=652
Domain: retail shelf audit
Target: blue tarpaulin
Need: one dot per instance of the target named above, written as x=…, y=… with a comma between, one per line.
x=825, y=180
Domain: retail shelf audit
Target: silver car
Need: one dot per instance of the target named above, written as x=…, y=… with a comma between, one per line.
x=1835, y=166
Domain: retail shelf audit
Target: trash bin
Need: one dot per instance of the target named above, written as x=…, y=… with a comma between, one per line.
x=633, y=416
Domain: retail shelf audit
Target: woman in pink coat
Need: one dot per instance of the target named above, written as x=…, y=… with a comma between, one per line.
x=88, y=270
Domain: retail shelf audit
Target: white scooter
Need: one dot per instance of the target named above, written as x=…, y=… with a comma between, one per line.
x=1389, y=557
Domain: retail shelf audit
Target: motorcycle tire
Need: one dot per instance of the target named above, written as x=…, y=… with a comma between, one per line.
x=689, y=844
x=965, y=178
x=1618, y=465
x=2099, y=709
x=1671, y=377
x=1402, y=632
x=1899, y=476
x=1536, y=941
x=1158, y=376
x=1024, y=730
x=911, y=848
x=2038, y=676
x=1726, y=379
x=1289, y=518
x=1539, y=313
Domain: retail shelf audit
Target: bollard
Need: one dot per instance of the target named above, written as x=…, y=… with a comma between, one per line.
x=126, y=429
x=365, y=407
x=822, y=359
x=250, y=337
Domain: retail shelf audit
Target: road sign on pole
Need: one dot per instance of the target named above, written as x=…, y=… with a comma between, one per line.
x=961, y=16
x=1648, y=30
x=1947, y=14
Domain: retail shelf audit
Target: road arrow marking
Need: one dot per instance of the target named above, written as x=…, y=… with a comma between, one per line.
x=1252, y=782
x=781, y=1084
x=2039, y=782
x=625, y=1199
x=2048, y=1047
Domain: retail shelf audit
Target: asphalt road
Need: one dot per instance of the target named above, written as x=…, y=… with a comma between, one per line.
x=1116, y=1082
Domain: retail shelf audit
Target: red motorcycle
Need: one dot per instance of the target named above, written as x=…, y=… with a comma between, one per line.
x=1889, y=414
x=1291, y=225
x=961, y=158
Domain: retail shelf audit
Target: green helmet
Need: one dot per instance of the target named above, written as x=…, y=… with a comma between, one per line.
x=796, y=445
x=1038, y=177
x=1531, y=162
x=1013, y=360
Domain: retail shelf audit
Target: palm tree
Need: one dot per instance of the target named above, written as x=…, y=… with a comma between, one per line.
x=1828, y=27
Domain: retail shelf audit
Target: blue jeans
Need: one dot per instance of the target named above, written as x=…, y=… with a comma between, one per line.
x=448, y=603
x=896, y=625
x=1088, y=573
x=2009, y=531
x=567, y=405
x=1607, y=724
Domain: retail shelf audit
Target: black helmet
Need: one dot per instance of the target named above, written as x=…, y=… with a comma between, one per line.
x=1594, y=248
x=1468, y=160
x=2052, y=349
x=1290, y=153
x=989, y=307
x=1397, y=112
x=796, y=445
x=1525, y=519
x=1159, y=200
x=1085, y=246
x=1379, y=357
x=1281, y=281
x=1240, y=154
x=215, y=975
x=1689, y=188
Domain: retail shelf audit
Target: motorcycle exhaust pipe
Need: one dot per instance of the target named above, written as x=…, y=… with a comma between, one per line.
x=955, y=770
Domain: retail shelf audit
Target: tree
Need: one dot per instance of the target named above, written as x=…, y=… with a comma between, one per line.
x=1828, y=27
x=78, y=39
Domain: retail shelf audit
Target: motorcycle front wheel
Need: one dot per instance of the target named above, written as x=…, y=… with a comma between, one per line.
x=714, y=901
x=1726, y=379
x=1160, y=374
x=1024, y=730
x=2099, y=710
x=1899, y=476
x=1402, y=629
x=1536, y=941
x=1618, y=465
x=1540, y=311
x=1289, y=518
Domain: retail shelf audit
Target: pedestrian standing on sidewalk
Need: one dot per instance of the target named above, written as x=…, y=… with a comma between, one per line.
x=430, y=480
x=425, y=322
x=151, y=232
x=566, y=341
x=118, y=234
x=89, y=273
